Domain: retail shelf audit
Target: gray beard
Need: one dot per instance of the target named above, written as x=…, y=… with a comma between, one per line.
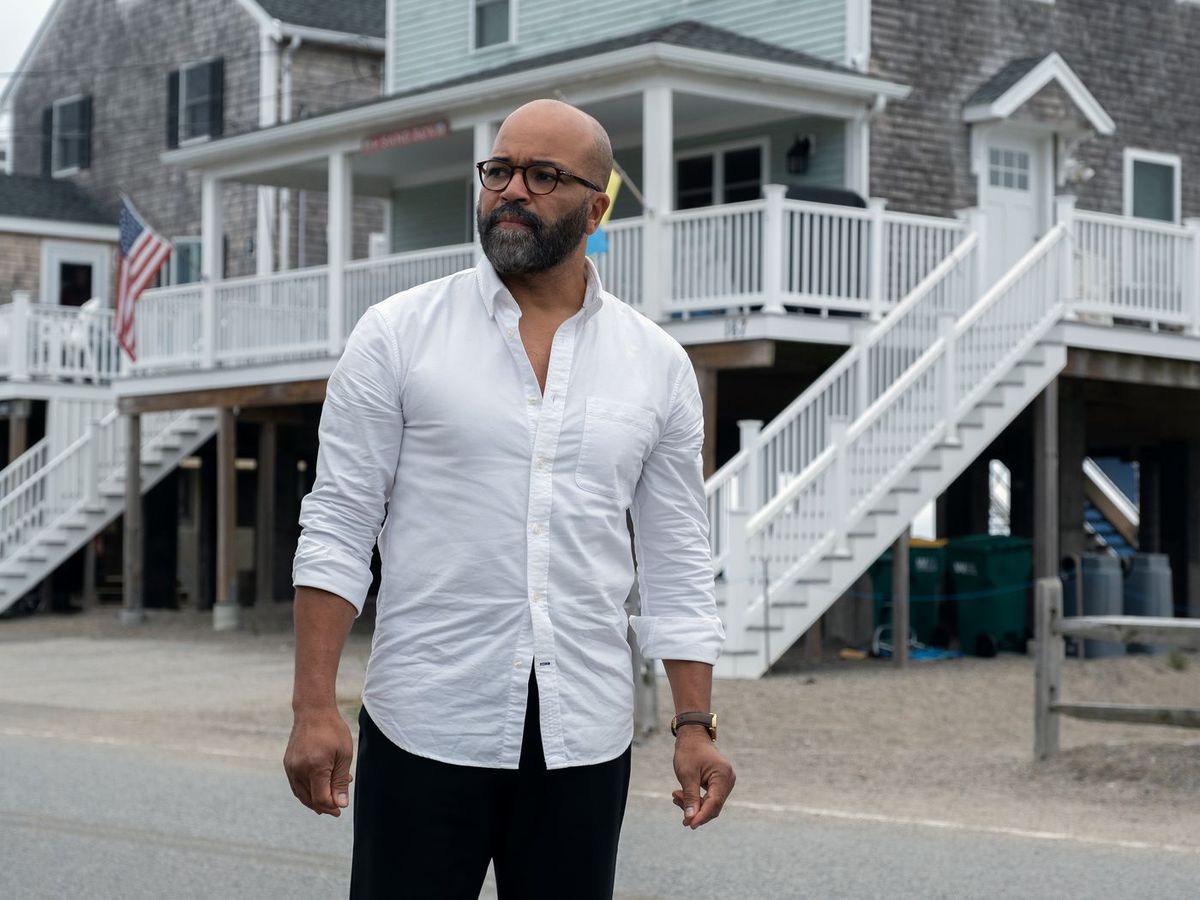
x=542, y=247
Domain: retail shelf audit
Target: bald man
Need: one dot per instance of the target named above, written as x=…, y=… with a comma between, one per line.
x=490, y=431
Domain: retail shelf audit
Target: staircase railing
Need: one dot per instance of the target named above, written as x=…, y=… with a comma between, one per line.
x=798, y=435
x=56, y=486
x=865, y=459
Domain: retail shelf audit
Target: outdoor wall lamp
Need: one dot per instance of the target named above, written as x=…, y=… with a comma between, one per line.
x=798, y=154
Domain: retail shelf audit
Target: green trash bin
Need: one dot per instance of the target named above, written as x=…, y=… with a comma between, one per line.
x=989, y=578
x=926, y=585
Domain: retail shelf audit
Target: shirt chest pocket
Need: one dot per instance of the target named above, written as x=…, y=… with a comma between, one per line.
x=616, y=439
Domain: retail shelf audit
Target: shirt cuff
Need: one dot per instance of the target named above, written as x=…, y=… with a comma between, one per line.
x=697, y=638
x=329, y=570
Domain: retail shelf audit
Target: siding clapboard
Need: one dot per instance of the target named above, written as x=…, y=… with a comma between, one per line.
x=431, y=42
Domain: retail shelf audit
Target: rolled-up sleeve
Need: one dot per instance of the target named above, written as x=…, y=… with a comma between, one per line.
x=360, y=433
x=670, y=527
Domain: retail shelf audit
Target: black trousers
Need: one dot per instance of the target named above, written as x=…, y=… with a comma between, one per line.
x=427, y=829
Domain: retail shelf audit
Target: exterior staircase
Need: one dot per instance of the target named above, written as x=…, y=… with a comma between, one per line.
x=1110, y=516
x=816, y=496
x=50, y=506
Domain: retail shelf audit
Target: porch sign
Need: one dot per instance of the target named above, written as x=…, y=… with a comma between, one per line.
x=402, y=137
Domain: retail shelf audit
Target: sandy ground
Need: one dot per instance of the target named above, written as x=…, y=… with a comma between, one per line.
x=947, y=742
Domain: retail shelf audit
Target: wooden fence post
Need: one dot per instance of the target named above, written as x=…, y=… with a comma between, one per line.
x=1048, y=671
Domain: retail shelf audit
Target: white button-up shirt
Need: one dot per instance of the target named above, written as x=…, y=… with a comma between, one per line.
x=504, y=542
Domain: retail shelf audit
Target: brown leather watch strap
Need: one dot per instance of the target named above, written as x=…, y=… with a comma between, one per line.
x=707, y=719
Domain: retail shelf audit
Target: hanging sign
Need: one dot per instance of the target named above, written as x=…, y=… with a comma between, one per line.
x=402, y=137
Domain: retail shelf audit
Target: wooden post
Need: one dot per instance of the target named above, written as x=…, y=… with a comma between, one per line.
x=1045, y=483
x=225, y=610
x=946, y=323
x=1149, y=502
x=1064, y=214
x=900, y=599
x=18, y=429
x=839, y=503
x=264, y=516
x=133, y=610
x=211, y=263
x=1048, y=667
x=1192, y=297
x=753, y=497
x=339, y=225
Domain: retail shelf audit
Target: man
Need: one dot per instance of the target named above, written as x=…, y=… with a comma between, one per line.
x=499, y=423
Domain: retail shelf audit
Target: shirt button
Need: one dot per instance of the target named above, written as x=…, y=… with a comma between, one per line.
x=541, y=462
x=516, y=664
x=509, y=332
x=533, y=401
x=537, y=597
x=537, y=529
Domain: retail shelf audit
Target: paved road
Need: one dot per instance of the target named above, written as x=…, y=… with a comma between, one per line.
x=100, y=821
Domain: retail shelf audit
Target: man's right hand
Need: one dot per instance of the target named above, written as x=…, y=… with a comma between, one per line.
x=317, y=761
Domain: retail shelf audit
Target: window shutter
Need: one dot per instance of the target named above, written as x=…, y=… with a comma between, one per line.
x=216, y=85
x=85, y=129
x=47, y=141
x=173, y=109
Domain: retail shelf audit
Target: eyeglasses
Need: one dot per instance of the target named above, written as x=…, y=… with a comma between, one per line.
x=540, y=178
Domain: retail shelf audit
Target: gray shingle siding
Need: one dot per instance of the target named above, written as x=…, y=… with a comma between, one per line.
x=121, y=55
x=1138, y=57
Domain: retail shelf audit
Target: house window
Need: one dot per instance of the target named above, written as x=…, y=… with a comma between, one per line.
x=185, y=260
x=492, y=22
x=719, y=175
x=1008, y=168
x=195, y=102
x=70, y=135
x=1152, y=182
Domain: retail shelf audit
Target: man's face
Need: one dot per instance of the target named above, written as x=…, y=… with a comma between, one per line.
x=523, y=233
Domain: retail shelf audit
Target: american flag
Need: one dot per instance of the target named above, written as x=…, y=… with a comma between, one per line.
x=140, y=254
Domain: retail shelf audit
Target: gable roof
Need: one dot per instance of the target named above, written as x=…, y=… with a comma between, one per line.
x=367, y=17
x=34, y=197
x=1015, y=84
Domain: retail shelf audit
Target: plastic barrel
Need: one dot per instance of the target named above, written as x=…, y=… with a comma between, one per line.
x=1103, y=595
x=1148, y=593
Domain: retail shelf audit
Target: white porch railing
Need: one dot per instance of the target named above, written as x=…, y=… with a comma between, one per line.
x=169, y=329
x=621, y=267
x=844, y=391
x=280, y=316
x=370, y=280
x=1137, y=270
x=864, y=460
x=65, y=343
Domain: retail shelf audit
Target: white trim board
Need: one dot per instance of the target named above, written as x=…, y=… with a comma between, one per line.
x=51, y=228
x=1052, y=68
x=352, y=124
x=1173, y=160
x=472, y=48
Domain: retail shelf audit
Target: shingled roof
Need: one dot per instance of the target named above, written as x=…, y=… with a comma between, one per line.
x=997, y=86
x=367, y=17
x=33, y=197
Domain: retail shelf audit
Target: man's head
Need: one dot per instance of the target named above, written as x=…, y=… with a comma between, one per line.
x=524, y=232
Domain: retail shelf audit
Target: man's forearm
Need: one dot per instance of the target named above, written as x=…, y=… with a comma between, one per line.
x=323, y=621
x=691, y=684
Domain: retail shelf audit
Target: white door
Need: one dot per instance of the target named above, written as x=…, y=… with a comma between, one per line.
x=74, y=272
x=1014, y=195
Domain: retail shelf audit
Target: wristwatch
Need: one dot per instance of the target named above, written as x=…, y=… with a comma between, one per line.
x=707, y=719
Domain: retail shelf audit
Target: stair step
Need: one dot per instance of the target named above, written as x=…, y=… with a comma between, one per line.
x=32, y=557
x=760, y=627
x=112, y=492
x=12, y=574
x=789, y=604
x=53, y=540
x=73, y=525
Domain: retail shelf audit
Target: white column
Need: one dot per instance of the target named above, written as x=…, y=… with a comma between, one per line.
x=877, y=273
x=976, y=221
x=1064, y=214
x=658, y=187
x=340, y=223
x=18, y=337
x=752, y=495
x=210, y=265
x=858, y=155
x=839, y=503
x=946, y=323
x=772, y=249
x=1191, y=269
x=268, y=114
x=484, y=138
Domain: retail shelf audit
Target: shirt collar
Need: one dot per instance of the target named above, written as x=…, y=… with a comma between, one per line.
x=492, y=289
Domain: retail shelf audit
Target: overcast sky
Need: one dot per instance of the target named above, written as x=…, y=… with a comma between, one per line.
x=21, y=19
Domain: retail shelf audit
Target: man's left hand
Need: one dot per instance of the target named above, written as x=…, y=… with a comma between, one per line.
x=699, y=764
